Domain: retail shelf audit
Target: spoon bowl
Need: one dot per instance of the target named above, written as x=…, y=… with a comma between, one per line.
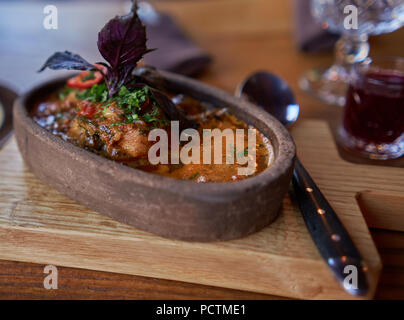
x=272, y=94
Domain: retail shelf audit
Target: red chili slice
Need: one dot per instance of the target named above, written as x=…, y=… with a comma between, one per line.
x=86, y=79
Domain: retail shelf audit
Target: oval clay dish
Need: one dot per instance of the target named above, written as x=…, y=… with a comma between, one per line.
x=165, y=206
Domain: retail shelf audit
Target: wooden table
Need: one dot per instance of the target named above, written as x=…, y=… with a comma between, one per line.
x=242, y=36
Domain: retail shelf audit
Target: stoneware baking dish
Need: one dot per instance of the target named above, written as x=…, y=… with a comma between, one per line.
x=165, y=206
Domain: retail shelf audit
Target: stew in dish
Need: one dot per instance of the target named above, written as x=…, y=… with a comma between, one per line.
x=118, y=128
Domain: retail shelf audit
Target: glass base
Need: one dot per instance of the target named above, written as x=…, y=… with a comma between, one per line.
x=329, y=85
x=373, y=151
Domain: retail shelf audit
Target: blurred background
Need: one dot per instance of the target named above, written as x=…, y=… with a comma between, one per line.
x=233, y=38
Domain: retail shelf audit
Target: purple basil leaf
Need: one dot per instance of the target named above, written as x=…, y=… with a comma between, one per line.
x=122, y=42
x=172, y=112
x=66, y=60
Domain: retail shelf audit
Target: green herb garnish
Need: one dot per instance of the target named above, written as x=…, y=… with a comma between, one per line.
x=245, y=151
x=132, y=99
x=130, y=102
x=97, y=93
x=194, y=176
x=239, y=154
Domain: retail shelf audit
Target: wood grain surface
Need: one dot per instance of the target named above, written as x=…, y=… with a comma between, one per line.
x=242, y=36
x=38, y=224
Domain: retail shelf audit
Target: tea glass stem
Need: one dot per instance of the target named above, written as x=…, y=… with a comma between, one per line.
x=330, y=85
x=351, y=49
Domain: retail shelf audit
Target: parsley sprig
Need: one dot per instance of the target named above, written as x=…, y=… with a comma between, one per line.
x=97, y=93
x=130, y=102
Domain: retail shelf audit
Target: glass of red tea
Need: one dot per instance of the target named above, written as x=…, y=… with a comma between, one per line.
x=373, y=122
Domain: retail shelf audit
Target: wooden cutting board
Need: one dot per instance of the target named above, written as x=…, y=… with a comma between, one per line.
x=38, y=224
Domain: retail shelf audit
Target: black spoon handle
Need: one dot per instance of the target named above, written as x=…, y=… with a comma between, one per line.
x=329, y=234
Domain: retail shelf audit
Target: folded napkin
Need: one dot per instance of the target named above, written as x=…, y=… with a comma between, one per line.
x=309, y=34
x=175, y=51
